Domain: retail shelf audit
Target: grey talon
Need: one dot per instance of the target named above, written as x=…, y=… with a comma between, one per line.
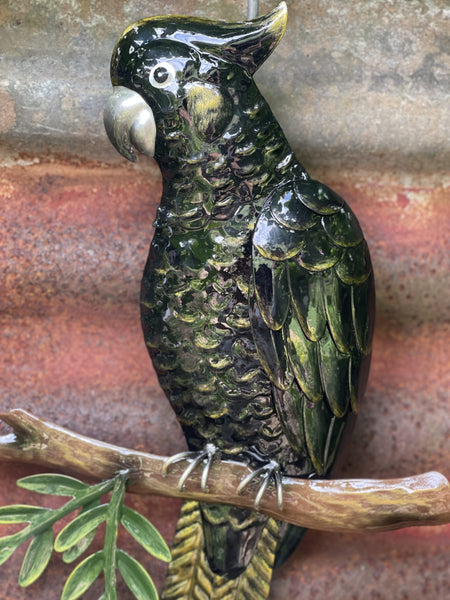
x=176, y=458
x=208, y=454
x=269, y=471
x=279, y=486
x=194, y=464
x=262, y=489
x=211, y=451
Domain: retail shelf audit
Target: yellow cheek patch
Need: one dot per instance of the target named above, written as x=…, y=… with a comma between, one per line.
x=209, y=109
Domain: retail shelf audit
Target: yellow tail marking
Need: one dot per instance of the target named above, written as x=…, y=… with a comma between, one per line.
x=189, y=576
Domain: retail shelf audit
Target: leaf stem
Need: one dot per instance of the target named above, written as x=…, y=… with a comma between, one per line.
x=93, y=493
x=46, y=520
x=112, y=526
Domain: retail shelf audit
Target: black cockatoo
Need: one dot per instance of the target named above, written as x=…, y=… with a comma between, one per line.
x=257, y=296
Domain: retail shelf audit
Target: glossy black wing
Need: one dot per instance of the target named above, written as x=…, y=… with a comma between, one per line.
x=312, y=309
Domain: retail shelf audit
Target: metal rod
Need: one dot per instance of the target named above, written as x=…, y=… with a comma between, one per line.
x=252, y=9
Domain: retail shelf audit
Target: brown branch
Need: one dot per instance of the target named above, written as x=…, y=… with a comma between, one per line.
x=335, y=505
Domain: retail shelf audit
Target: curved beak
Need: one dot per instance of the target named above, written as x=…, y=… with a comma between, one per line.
x=129, y=123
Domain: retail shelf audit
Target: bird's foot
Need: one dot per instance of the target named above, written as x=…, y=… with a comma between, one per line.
x=196, y=458
x=270, y=471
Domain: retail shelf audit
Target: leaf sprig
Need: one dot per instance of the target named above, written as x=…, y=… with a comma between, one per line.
x=75, y=538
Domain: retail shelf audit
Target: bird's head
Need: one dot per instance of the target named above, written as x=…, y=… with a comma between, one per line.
x=172, y=69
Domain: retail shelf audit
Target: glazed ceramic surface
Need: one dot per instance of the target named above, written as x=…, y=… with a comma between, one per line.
x=257, y=296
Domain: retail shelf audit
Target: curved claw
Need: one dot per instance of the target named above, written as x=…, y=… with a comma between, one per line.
x=269, y=471
x=212, y=451
x=208, y=454
x=176, y=458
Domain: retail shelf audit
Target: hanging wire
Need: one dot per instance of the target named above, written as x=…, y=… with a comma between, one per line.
x=252, y=8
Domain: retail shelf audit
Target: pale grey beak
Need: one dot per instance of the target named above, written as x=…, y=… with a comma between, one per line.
x=129, y=123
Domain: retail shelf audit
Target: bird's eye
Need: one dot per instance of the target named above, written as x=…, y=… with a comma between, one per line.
x=162, y=75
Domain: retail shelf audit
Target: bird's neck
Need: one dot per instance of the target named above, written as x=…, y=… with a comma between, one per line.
x=206, y=181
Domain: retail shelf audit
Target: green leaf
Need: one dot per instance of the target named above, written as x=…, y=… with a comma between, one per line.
x=80, y=527
x=9, y=544
x=36, y=558
x=83, y=576
x=77, y=549
x=145, y=533
x=20, y=513
x=136, y=577
x=54, y=484
x=82, y=545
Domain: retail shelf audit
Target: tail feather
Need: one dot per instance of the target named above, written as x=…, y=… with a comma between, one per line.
x=184, y=569
x=189, y=576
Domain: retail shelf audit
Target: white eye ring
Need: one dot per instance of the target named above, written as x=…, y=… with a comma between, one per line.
x=162, y=75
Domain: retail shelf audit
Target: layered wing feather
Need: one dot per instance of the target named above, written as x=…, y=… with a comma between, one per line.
x=312, y=310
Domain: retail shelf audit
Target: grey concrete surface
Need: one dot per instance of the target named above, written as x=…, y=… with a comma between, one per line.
x=362, y=82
